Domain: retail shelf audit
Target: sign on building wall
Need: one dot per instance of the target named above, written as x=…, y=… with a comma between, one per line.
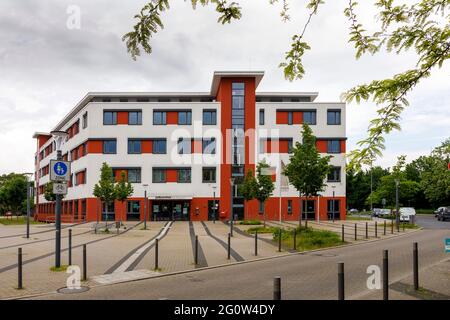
x=59, y=171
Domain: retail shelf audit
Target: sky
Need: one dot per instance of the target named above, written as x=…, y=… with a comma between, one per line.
x=46, y=67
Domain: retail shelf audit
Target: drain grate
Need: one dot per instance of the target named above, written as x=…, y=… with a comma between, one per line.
x=66, y=290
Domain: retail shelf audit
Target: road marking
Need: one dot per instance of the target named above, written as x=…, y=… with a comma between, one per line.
x=118, y=277
x=127, y=263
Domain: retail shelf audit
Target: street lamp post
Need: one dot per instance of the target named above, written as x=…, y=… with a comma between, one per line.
x=231, y=206
x=214, y=204
x=145, y=206
x=397, y=213
x=28, y=176
x=59, y=136
x=332, y=204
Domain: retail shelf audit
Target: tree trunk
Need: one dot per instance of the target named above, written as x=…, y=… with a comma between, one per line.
x=300, y=211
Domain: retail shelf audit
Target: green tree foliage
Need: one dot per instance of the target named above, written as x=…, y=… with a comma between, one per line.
x=105, y=189
x=13, y=193
x=123, y=188
x=248, y=188
x=264, y=185
x=435, y=181
x=307, y=169
x=358, y=186
x=419, y=25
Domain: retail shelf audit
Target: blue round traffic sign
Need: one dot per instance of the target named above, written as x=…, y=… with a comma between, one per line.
x=60, y=168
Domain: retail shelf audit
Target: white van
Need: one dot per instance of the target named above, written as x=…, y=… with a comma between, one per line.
x=406, y=213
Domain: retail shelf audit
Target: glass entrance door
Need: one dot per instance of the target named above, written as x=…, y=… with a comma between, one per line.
x=168, y=210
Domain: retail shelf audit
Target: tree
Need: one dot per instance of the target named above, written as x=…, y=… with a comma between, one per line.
x=123, y=188
x=307, y=169
x=420, y=24
x=13, y=193
x=436, y=180
x=264, y=185
x=248, y=188
x=105, y=189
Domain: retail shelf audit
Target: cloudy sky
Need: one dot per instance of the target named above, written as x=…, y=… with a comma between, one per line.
x=46, y=68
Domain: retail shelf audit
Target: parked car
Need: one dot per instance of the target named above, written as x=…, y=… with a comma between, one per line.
x=444, y=214
x=436, y=212
x=353, y=211
x=384, y=213
x=376, y=212
x=406, y=213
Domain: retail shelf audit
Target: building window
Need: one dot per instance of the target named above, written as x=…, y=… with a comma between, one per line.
x=261, y=207
x=334, y=175
x=133, y=210
x=134, y=146
x=158, y=175
x=159, y=146
x=85, y=120
x=109, y=117
x=184, y=175
x=134, y=175
x=309, y=117
x=334, y=117
x=159, y=117
x=185, y=117
x=209, y=175
x=209, y=146
x=333, y=209
x=109, y=146
x=209, y=117
x=334, y=146
x=289, y=207
x=290, y=117
x=135, y=117
x=290, y=145
x=261, y=117
x=184, y=146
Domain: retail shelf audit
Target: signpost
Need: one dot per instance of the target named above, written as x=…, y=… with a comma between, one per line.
x=59, y=175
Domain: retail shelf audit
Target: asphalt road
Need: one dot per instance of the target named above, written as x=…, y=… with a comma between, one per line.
x=430, y=222
x=304, y=276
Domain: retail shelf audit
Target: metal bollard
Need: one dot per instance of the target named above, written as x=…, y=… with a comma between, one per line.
x=277, y=288
x=19, y=269
x=367, y=230
x=295, y=239
x=156, y=254
x=356, y=232
x=196, y=250
x=341, y=281
x=384, y=227
x=376, y=229
x=392, y=227
x=229, y=247
x=403, y=224
x=84, y=262
x=385, y=275
x=279, y=241
x=70, y=247
x=256, y=243
x=416, y=265
x=343, y=233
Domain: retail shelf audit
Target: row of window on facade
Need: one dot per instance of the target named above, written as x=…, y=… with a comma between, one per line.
x=210, y=116
x=160, y=117
x=163, y=175
x=159, y=146
x=307, y=117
